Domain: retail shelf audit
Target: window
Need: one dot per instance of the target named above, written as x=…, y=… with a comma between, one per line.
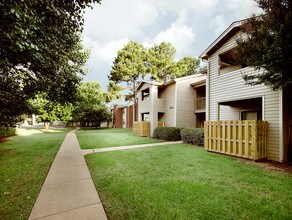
x=145, y=116
x=159, y=94
x=145, y=94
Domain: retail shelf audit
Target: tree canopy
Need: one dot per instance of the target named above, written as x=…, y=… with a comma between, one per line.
x=41, y=51
x=134, y=62
x=162, y=66
x=48, y=111
x=267, y=44
x=160, y=61
x=90, y=107
x=128, y=67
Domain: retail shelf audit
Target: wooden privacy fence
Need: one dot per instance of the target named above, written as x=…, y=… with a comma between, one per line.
x=141, y=128
x=161, y=124
x=246, y=139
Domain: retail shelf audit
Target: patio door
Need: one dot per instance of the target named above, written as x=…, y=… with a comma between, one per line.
x=250, y=115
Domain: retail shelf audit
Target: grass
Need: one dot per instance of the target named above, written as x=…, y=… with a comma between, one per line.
x=24, y=164
x=184, y=182
x=110, y=137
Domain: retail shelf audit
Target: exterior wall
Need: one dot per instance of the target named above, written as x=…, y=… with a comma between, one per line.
x=143, y=105
x=169, y=96
x=118, y=117
x=229, y=69
x=176, y=103
x=129, y=122
x=230, y=86
x=124, y=110
x=185, y=116
x=228, y=113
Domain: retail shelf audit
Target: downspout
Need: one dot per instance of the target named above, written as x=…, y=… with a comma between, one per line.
x=175, y=104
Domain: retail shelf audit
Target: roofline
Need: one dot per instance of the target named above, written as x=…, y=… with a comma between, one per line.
x=199, y=83
x=234, y=26
x=148, y=82
x=169, y=82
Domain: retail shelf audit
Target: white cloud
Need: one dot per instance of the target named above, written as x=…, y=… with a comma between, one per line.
x=113, y=20
x=243, y=8
x=190, y=25
x=218, y=24
x=180, y=35
x=101, y=57
x=205, y=7
x=104, y=52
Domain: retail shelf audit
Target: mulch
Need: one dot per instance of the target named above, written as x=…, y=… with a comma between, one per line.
x=274, y=165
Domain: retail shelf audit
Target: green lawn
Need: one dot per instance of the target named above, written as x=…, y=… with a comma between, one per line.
x=24, y=164
x=110, y=137
x=185, y=182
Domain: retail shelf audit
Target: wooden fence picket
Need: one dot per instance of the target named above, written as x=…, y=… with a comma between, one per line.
x=246, y=139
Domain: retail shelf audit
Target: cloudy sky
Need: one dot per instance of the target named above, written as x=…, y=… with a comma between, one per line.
x=190, y=25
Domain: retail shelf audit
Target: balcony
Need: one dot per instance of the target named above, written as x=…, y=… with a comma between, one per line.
x=200, y=104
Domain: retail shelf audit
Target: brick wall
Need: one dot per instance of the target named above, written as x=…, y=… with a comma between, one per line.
x=119, y=117
x=129, y=123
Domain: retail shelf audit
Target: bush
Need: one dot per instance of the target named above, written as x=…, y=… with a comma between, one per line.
x=7, y=131
x=193, y=136
x=167, y=133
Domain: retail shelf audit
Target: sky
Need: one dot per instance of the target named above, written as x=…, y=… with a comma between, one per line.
x=190, y=25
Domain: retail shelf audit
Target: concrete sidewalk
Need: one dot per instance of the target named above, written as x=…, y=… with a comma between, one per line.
x=68, y=191
x=106, y=149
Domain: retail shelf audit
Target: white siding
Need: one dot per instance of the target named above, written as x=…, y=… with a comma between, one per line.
x=185, y=104
x=229, y=69
x=228, y=113
x=231, y=86
x=169, y=96
x=145, y=105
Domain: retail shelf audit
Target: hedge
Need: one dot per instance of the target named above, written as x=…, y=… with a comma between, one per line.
x=7, y=131
x=167, y=133
x=193, y=136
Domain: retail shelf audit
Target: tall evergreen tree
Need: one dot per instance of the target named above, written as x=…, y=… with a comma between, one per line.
x=160, y=60
x=128, y=67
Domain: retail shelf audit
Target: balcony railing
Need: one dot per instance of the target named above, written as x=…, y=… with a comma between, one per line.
x=246, y=139
x=200, y=104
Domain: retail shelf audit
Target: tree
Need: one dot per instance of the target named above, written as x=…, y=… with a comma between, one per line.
x=184, y=67
x=90, y=107
x=161, y=64
x=40, y=50
x=160, y=60
x=48, y=111
x=268, y=44
x=128, y=67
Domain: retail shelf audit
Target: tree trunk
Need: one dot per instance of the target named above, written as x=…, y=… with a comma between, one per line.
x=134, y=106
x=47, y=124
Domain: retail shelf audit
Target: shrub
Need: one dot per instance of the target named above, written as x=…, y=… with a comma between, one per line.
x=193, y=136
x=7, y=131
x=167, y=133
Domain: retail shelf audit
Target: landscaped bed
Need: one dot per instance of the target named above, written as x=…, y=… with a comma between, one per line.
x=110, y=137
x=24, y=164
x=185, y=182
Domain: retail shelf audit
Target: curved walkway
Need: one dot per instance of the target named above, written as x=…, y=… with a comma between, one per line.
x=68, y=191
